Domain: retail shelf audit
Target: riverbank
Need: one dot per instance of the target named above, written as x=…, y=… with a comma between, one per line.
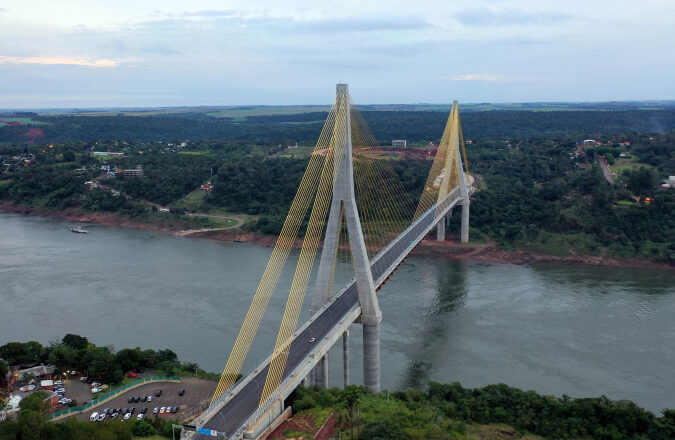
x=488, y=252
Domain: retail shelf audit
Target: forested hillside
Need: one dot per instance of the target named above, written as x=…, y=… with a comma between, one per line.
x=415, y=126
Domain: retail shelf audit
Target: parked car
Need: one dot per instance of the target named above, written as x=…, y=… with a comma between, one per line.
x=125, y=411
x=149, y=398
x=181, y=392
x=127, y=416
x=137, y=399
x=140, y=417
x=132, y=410
x=106, y=411
x=132, y=374
x=101, y=417
x=174, y=410
x=168, y=409
x=158, y=393
x=95, y=384
x=144, y=410
x=114, y=415
x=93, y=417
x=162, y=410
x=130, y=399
x=155, y=410
x=83, y=378
x=144, y=398
x=96, y=390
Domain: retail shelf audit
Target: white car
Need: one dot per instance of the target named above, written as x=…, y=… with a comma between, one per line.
x=162, y=410
x=149, y=398
x=140, y=416
x=95, y=384
x=96, y=390
x=101, y=417
x=127, y=416
x=93, y=417
x=83, y=378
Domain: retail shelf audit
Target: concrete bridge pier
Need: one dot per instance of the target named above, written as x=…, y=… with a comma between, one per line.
x=440, y=229
x=371, y=356
x=345, y=357
x=464, y=235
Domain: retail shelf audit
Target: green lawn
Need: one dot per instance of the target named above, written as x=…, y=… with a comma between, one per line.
x=627, y=163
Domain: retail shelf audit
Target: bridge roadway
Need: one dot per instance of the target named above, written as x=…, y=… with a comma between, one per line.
x=242, y=405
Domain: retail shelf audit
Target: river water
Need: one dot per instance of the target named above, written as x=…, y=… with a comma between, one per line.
x=582, y=331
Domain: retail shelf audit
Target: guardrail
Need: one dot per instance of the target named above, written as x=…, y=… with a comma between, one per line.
x=78, y=409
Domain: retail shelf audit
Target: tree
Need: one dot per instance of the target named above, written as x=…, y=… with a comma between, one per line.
x=142, y=428
x=4, y=369
x=129, y=358
x=75, y=341
x=382, y=430
x=64, y=357
x=68, y=156
x=102, y=365
x=641, y=181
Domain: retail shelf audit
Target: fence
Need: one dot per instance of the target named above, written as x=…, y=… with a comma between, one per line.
x=110, y=395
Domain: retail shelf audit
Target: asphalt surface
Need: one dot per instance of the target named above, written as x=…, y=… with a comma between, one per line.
x=197, y=392
x=242, y=405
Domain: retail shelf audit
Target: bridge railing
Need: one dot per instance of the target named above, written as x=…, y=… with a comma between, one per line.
x=110, y=395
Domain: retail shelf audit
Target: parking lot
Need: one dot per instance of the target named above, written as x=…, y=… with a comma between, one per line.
x=197, y=392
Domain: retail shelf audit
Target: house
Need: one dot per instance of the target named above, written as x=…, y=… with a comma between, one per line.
x=399, y=143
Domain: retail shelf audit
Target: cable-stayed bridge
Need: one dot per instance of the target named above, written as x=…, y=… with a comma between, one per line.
x=366, y=215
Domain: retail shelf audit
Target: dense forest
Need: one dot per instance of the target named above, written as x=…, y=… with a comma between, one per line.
x=415, y=126
x=445, y=411
x=545, y=193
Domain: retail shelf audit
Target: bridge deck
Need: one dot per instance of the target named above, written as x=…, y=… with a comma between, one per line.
x=240, y=407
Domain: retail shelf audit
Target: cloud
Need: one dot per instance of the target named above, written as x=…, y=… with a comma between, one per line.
x=363, y=24
x=509, y=17
x=222, y=18
x=3, y=10
x=211, y=13
x=473, y=77
x=59, y=60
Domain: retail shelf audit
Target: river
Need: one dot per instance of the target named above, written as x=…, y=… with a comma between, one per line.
x=556, y=329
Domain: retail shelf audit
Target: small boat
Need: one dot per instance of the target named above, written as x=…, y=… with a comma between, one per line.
x=77, y=230
x=27, y=388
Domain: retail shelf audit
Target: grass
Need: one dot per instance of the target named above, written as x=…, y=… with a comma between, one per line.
x=192, y=201
x=627, y=163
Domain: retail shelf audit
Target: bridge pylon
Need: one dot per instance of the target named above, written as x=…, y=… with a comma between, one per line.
x=453, y=173
x=343, y=206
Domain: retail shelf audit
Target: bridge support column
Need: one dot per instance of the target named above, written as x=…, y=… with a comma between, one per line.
x=324, y=372
x=345, y=356
x=440, y=229
x=465, y=223
x=371, y=356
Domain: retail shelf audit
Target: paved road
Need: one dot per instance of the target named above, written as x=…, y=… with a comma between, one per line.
x=605, y=170
x=242, y=405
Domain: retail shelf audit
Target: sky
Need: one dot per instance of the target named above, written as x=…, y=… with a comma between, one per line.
x=92, y=53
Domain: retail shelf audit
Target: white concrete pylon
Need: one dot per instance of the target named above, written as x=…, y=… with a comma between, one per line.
x=344, y=201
